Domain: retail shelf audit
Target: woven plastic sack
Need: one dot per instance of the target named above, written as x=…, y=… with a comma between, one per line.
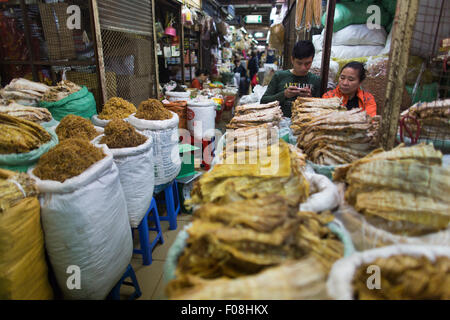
x=137, y=177
x=23, y=269
x=355, y=35
x=81, y=103
x=21, y=162
x=164, y=134
x=339, y=284
x=86, y=226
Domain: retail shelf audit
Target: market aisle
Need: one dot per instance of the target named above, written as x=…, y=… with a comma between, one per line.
x=150, y=277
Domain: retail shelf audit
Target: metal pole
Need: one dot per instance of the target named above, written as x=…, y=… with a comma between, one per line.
x=326, y=52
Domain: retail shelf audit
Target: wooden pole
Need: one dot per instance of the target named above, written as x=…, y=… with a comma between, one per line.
x=155, y=41
x=404, y=22
x=326, y=52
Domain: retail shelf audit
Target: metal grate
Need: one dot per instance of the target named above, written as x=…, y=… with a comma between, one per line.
x=128, y=49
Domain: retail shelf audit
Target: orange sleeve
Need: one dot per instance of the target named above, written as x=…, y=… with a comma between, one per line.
x=329, y=94
x=196, y=84
x=371, y=105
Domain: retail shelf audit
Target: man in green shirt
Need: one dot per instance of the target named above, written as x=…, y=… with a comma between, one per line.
x=287, y=85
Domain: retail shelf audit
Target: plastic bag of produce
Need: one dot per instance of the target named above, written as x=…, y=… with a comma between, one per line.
x=86, y=228
x=354, y=35
x=22, y=161
x=23, y=269
x=165, y=137
x=350, y=52
x=80, y=103
x=137, y=177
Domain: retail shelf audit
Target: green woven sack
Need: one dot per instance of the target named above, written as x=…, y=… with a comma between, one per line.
x=426, y=93
x=348, y=13
x=80, y=103
x=22, y=161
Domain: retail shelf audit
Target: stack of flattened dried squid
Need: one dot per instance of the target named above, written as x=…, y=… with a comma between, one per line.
x=433, y=117
x=24, y=91
x=329, y=136
x=255, y=114
x=403, y=191
x=29, y=113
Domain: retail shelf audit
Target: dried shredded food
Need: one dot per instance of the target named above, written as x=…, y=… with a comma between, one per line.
x=14, y=187
x=72, y=126
x=20, y=136
x=152, y=109
x=117, y=108
x=68, y=159
x=120, y=134
x=64, y=89
x=406, y=277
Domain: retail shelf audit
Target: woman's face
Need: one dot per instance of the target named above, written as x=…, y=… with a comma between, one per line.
x=349, y=81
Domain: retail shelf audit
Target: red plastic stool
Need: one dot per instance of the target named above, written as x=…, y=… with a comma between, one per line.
x=205, y=143
x=229, y=102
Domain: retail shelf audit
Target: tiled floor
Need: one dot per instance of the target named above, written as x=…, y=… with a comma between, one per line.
x=150, y=277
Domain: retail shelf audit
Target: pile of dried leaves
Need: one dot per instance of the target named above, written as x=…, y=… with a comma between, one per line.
x=72, y=126
x=153, y=109
x=120, y=134
x=117, y=108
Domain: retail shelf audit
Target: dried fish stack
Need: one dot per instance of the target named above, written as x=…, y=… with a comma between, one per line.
x=256, y=114
x=433, y=117
x=246, y=175
x=249, y=236
x=64, y=89
x=331, y=137
x=29, y=113
x=403, y=191
x=20, y=136
x=24, y=91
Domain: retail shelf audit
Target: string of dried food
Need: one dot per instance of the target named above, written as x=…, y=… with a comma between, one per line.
x=117, y=108
x=14, y=187
x=152, y=109
x=309, y=15
x=20, y=136
x=405, y=277
x=300, y=7
x=68, y=159
x=120, y=134
x=317, y=12
x=72, y=126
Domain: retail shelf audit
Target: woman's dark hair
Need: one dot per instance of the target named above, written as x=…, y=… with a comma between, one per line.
x=357, y=66
x=200, y=72
x=303, y=49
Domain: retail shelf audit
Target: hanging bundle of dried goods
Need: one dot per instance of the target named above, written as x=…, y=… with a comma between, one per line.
x=309, y=15
x=300, y=7
x=72, y=126
x=403, y=191
x=20, y=136
x=405, y=277
x=117, y=108
x=29, y=113
x=120, y=134
x=64, y=89
x=329, y=136
x=152, y=109
x=317, y=8
x=68, y=159
x=433, y=117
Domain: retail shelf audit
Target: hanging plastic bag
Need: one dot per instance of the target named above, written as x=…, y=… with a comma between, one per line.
x=186, y=16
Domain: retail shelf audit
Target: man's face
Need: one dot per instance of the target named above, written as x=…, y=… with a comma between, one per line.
x=301, y=66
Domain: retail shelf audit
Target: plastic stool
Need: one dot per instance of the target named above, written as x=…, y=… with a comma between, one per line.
x=115, y=292
x=143, y=228
x=172, y=200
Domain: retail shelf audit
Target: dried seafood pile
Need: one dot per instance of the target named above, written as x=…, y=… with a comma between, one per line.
x=153, y=109
x=10, y=192
x=248, y=236
x=72, y=126
x=117, y=108
x=403, y=191
x=433, y=117
x=255, y=114
x=332, y=137
x=29, y=113
x=406, y=277
x=68, y=159
x=120, y=134
x=64, y=89
x=20, y=136
x=248, y=175
x=24, y=91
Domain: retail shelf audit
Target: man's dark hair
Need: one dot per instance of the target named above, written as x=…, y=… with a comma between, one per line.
x=303, y=49
x=357, y=66
x=200, y=72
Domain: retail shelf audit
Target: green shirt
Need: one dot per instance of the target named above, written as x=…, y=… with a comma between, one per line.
x=283, y=79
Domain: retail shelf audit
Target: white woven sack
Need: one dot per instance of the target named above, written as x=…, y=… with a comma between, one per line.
x=339, y=284
x=166, y=156
x=137, y=177
x=324, y=194
x=178, y=96
x=349, y=52
x=86, y=226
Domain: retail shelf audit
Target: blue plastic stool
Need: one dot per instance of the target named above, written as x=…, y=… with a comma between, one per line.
x=143, y=228
x=172, y=200
x=115, y=292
